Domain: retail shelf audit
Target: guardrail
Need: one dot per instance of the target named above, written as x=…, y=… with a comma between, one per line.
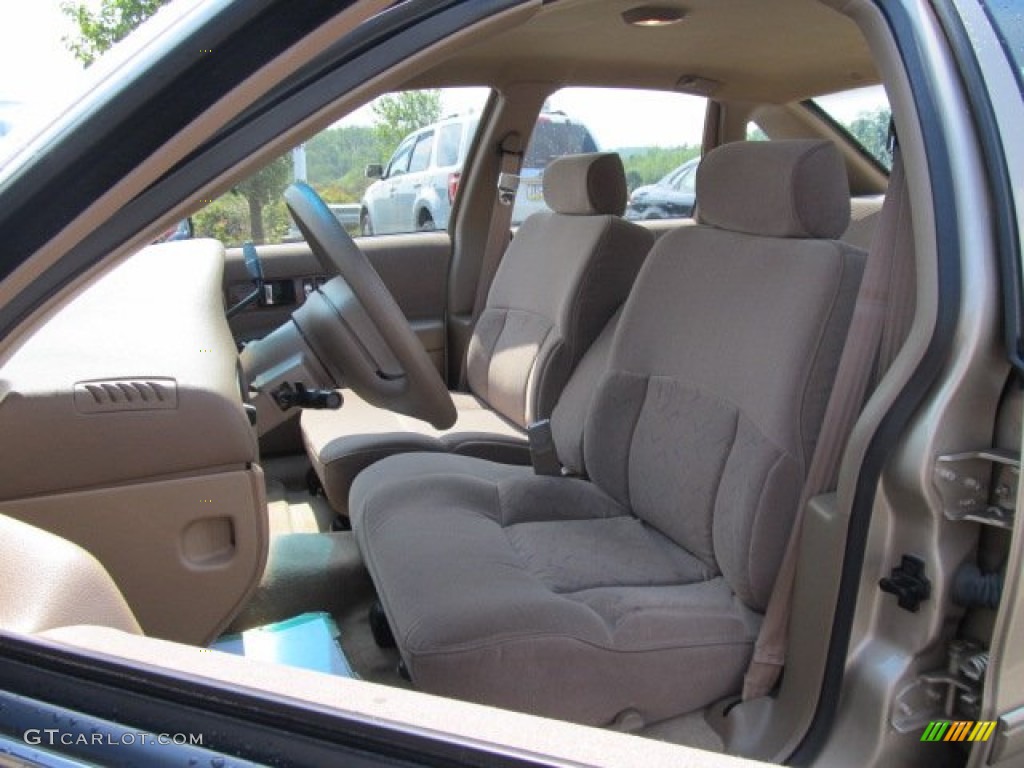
x=347, y=214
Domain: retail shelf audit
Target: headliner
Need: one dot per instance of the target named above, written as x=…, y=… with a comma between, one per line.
x=774, y=51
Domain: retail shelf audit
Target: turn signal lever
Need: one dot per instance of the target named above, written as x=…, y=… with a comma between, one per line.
x=255, y=270
x=297, y=396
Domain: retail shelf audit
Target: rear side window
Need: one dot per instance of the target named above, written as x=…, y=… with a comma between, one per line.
x=554, y=136
x=864, y=114
x=448, y=144
x=656, y=133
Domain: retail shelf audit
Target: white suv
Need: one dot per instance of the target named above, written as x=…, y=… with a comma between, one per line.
x=415, y=190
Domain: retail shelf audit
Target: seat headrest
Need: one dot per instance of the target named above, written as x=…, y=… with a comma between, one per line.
x=775, y=188
x=586, y=185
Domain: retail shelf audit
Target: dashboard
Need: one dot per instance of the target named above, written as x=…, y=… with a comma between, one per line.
x=133, y=439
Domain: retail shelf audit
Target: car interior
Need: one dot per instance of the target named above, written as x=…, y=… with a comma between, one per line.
x=557, y=470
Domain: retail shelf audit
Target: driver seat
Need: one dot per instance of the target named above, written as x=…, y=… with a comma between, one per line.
x=563, y=276
x=639, y=593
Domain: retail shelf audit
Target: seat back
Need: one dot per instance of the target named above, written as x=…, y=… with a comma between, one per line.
x=564, y=274
x=51, y=582
x=706, y=418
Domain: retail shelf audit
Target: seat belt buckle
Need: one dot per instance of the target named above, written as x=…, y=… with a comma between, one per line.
x=508, y=185
x=543, y=454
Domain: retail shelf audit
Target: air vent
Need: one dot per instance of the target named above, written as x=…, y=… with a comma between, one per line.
x=113, y=395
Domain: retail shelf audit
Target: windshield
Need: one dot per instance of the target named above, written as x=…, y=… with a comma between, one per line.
x=55, y=55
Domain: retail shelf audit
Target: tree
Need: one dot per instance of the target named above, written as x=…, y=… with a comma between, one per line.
x=648, y=164
x=871, y=129
x=110, y=24
x=263, y=188
x=400, y=114
x=115, y=19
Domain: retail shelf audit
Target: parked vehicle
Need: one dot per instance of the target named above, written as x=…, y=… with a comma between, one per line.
x=554, y=135
x=671, y=197
x=415, y=189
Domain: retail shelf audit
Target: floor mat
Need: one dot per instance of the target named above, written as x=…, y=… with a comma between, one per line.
x=296, y=510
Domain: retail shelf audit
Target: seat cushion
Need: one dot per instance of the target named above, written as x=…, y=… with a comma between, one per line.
x=543, y=594
x=342, y=443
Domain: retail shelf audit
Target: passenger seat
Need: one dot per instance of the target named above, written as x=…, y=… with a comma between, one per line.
x=561, y=279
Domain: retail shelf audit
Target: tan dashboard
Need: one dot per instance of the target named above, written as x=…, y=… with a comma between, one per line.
x=133, y=442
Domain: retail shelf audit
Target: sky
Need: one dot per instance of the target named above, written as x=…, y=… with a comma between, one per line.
x=34, y=64
x=37, y=69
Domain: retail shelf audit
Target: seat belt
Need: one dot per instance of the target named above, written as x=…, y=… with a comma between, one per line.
x=860, y=367
x=498, y=234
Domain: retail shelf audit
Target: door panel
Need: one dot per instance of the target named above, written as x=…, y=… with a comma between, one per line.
x=414, y=267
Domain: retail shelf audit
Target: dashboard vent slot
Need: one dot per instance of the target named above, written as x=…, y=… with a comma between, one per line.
x=113, y=395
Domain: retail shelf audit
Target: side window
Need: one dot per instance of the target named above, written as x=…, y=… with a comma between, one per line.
x=754, y=132
x=353, y=166
x=400, y=162
x=657, y=134
x=685, y=180
x=864, y=114
x=448, y=144
x=421, y=153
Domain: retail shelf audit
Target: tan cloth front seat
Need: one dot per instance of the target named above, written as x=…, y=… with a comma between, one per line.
x=642, y=589
x=564, y=274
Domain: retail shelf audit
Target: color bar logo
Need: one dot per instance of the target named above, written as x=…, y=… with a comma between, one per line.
x=960, y=730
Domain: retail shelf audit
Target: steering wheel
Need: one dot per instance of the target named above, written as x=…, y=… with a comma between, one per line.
x=355, y=327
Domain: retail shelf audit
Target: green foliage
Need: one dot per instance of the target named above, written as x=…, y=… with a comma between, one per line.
x=263, y=188
x=254, y=210
x=336, y=160
x=399, y=114
x=268, y=184
x=871, y=129
x=99, y=31
x=227, y=219
x=647, y=165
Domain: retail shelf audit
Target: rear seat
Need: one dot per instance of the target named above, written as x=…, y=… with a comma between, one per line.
x=863, y=220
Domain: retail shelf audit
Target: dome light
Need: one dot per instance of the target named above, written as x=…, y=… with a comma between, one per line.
x=653, y=16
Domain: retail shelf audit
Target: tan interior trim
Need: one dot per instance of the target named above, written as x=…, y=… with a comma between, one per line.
x=50, y=582
x=167, y=544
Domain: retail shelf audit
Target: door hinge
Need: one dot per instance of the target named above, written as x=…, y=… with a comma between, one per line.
x=951, y=694
x=979, y=486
